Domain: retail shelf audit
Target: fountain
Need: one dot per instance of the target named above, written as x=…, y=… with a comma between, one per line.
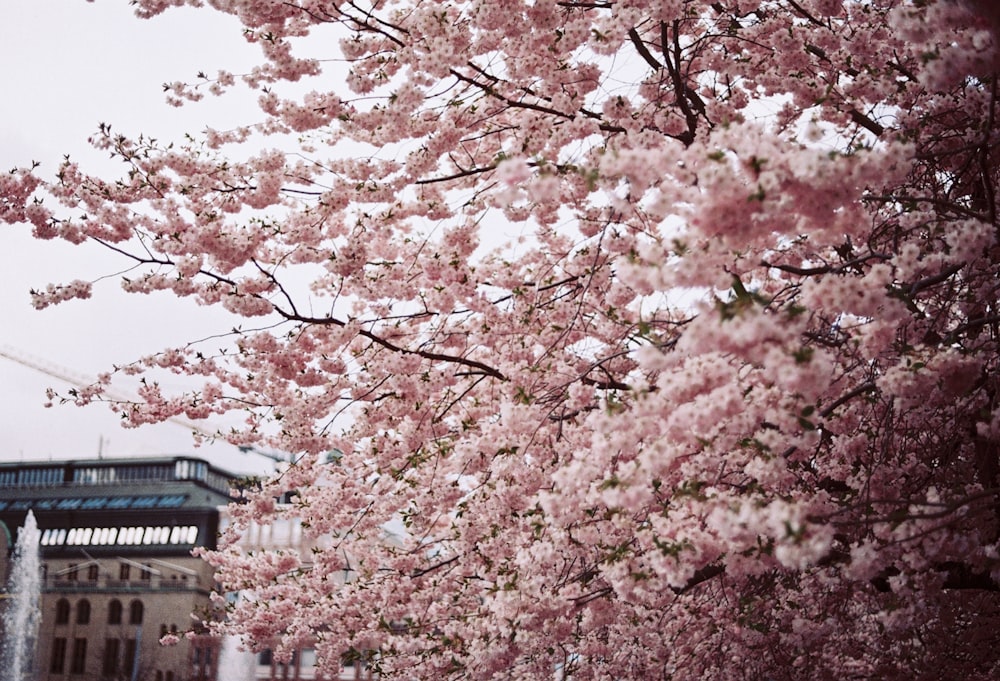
x=235, y=664
x=21, y=612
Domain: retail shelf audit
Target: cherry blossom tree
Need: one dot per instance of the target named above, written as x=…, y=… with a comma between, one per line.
x=666, y=331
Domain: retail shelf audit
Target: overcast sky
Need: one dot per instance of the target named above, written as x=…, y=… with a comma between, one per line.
x=67, y=66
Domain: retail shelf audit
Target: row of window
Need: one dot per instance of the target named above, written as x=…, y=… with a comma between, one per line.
x=31, y=476
x=102, y=475
x=302, y=665
x=96, y=503
x=182, y=469
x=112, y=662
x=115, y=611
x=105, y=474
x=78, y=662
x=120, y=653
x=122, y=536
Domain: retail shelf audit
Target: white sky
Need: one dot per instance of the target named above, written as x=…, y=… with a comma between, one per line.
x=68, y=65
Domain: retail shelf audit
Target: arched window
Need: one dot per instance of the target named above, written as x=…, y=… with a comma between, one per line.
x=83, y=612
x=135, y=612
x=115, y=612
x=62, y=611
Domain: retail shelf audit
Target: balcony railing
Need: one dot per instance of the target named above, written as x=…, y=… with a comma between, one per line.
x=104, y=584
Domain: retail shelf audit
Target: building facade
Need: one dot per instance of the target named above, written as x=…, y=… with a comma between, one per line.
x=115, y=544
x=117, y=572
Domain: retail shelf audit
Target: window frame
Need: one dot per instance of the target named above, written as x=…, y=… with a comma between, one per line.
x=83, y=611
x=62, y=612
x=115, y=611
x=78, y=662
x=135, y=612
x=111, y=659
x=57, y=660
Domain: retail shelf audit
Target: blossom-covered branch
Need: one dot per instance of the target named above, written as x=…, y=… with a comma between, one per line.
x=655, y=339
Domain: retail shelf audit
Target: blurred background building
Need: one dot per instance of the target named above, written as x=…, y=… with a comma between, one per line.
x=115, y=543
x=117, y=571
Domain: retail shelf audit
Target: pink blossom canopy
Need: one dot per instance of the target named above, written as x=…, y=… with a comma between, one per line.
x=657, y=339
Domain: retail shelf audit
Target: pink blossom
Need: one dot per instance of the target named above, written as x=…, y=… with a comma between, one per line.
x=628, y=341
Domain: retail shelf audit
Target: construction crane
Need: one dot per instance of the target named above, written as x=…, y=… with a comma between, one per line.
x=80, y=381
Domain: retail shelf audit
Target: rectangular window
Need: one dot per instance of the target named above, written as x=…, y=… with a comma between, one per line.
x=146, y=572
x=129, y=655
x=79, y=662
x=92, y=572
x=123, y=570
x=111, y=650
x=201, y=667
x=71, y=573
x=58, y=661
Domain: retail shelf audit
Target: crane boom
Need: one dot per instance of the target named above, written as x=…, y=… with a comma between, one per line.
x=79, y=381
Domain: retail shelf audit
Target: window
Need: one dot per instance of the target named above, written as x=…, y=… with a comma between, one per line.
x=95, y=502
x=115, y=612
x=58, y=661
x=135, y=612
x=129, y=654
x=357, y=663
x=62, y=611
x=289, y=670
x=71, y=573
x=93, y=572
x=111, y=650
x=79, y=662
x=123, y=571
x=146, y=572
x=202, y=661
x=83, y=612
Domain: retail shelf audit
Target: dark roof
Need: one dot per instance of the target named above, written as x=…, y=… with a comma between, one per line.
x=129, y=483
